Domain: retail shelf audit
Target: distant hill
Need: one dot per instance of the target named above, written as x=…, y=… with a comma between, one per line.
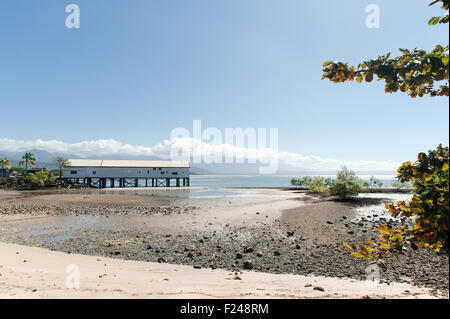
x=46, y=159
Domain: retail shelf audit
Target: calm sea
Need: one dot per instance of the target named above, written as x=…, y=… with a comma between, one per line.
x=265, y=180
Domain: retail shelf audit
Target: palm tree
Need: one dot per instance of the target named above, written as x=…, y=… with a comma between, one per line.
x=28, y=159
x=5, y=163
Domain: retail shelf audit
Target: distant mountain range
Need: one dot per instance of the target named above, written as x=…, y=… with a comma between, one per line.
x=46, y=159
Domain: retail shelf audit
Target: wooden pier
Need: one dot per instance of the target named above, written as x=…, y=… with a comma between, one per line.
x=129, y=182
x=126, y=173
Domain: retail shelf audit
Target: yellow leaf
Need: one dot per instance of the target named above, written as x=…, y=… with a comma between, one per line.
x=347, y=246
x=386, y=246
x=385, y=230
x=358, y=255
x=396, y=237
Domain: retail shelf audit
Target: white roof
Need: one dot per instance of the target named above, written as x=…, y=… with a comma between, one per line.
x=126, y=163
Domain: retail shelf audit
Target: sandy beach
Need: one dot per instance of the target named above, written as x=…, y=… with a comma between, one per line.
x=28, y=272
x=263, y=243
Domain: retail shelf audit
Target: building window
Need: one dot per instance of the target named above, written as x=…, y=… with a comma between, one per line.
x=154, y=168
x=162, y=173
x=73, y=172
x=175, y=173
x=148, y=172
x=94, y=172
x=160, y=168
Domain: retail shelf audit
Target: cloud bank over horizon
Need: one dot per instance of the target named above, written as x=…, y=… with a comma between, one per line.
x=111, y=148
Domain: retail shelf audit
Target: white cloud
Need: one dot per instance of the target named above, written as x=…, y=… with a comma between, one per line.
x=110, y=148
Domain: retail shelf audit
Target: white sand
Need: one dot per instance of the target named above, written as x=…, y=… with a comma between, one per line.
x=27, y=272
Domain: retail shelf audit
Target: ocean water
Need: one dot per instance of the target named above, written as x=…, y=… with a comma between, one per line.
x=215, y=186
x=265, y=180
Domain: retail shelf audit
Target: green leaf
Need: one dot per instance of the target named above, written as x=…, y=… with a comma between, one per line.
x=434, y=21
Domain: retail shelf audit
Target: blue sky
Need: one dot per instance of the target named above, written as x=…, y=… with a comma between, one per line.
x=137, y=69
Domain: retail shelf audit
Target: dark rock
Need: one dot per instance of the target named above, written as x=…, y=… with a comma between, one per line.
x=161, y=260
x=248, y=265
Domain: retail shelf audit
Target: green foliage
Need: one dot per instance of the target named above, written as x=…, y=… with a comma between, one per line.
x=424, y=220
x=346, y=184
x=61, y=162
x=40, y=178
x=304, y=181
x=5, y=163
x=416, y=72
x=27, y=160
x=316, y=184
x=444, y=19
x=374, y=182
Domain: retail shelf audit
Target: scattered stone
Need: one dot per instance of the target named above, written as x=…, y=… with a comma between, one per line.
x=161, y=260
x=248, y=265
